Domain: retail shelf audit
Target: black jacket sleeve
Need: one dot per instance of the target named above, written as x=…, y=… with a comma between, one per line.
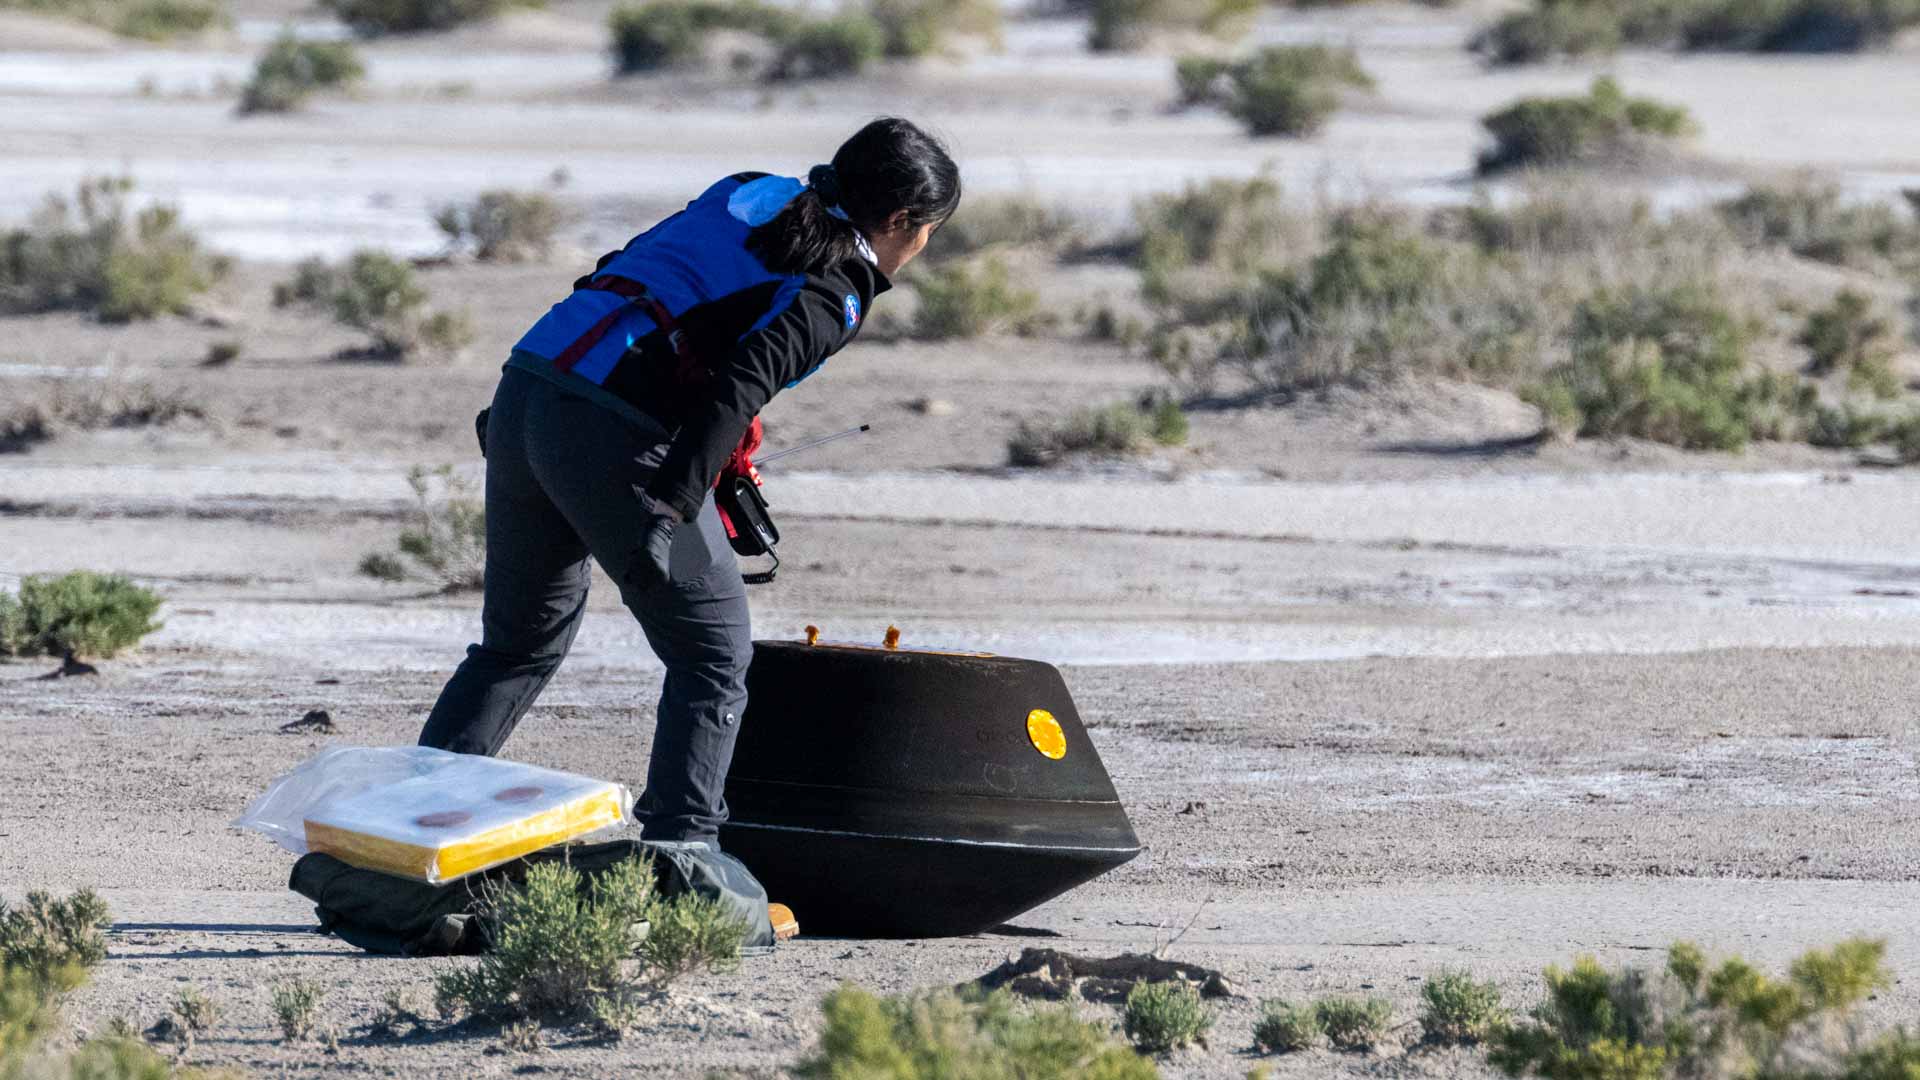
x=813, y=327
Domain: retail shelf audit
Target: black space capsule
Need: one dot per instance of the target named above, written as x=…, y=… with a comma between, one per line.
x=902, y=793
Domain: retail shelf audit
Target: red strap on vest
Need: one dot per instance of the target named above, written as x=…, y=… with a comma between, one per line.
x=690, y=369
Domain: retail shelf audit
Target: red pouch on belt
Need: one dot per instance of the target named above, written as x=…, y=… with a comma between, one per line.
x=741, y=463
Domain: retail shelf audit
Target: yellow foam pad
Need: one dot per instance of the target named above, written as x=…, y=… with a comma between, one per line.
x=475, y=814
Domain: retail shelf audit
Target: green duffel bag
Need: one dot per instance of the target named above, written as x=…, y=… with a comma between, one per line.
x=398, y=917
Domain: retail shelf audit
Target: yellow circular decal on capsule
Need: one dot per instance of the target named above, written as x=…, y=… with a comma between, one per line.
x=1046, y=735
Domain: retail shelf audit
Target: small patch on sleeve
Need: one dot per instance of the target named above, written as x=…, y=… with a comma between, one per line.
x=852, y=310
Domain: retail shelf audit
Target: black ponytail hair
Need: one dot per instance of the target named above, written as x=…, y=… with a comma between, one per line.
x=886, y=167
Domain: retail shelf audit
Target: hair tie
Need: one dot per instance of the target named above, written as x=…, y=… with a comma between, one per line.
x=826, y=183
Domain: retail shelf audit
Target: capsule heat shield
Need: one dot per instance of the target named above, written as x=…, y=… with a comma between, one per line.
x=895, y=793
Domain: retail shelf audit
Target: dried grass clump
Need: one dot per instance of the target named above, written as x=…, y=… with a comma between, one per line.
x=965, y=299
x=295, y=1002
x=504, y=226
x=1119, y=430
x=1812, y=219
x=92, y=405
x=446, y=541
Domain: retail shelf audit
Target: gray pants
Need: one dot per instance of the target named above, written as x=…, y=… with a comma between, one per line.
x=563, y=475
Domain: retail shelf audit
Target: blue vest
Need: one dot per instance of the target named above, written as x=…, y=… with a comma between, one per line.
x=695, y=257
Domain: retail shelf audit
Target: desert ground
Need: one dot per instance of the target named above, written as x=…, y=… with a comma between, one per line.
x=1385, y=684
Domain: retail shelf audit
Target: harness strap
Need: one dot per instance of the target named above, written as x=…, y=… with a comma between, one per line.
x=689, y=370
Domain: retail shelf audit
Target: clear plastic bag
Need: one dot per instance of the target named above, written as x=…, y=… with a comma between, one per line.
x=426, y=814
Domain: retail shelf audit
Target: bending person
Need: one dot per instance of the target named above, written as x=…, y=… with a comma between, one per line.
x=615, y=414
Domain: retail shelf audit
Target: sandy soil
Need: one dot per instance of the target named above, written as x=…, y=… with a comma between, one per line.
x=1385, y=685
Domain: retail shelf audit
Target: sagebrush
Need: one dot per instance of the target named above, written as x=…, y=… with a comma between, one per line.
x=1162, y=1016
x=941, y=1034
x=1603, y=125
x=445, y=541
x=1284, y=1028
x=503, y=225
x=292, y=71
x=1353, y=1023
x=562, y=944
x=149, y=20
x=1694, y=1018
x=1455, y=1008
x=96, y=252
x=375, y=17
x=378, y=294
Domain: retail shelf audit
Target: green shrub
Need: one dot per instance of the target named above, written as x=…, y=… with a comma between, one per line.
x=690, y=933
x=1573, y=27
x=915, y=28
x=1846, y=336
x=1221, y=230
x=1566, y=28
x=1456, y=1009
x=504, y=226
x=54, y=942
x=829, y=48
x=376, y=293
x=670, y=33
x=1813, y=220
x=1845, y=427
x=938, y=1034
x=164, y=20
x=957, y=300
x=1293, y=89
x=371, y=18
x=557, y=943
x=1163, y=1016
x=446, y=540
x=150, y=20
x=292, y=70
x=79, y=613
x=1904, y=434
x=1694, y=1020
x=1123, y=25
x=1353, y=1023
x=294, y=1002
x=1199, y=78
x=1657, y=363
x=1799, y=26
x=1284, y=1028
x=1605, y=124
x=94, y=253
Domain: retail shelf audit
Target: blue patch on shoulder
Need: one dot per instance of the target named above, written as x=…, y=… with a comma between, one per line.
x=852, y=308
